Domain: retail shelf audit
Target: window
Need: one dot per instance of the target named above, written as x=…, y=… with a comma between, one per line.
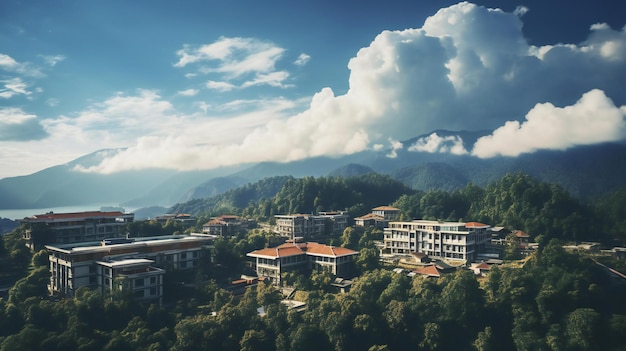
x=153, y=291
x=153, y=280
x=139, y=282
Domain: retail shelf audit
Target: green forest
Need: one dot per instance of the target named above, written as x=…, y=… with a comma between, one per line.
x=550, y=300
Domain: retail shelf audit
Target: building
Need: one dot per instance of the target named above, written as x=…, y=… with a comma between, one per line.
x=226, y=225
x=443, y=240
x=65, y=228
x=311, y=226
x=335, y=221
x=186, y=219
x=379, y=217
x=136, y=266
x=310, y=256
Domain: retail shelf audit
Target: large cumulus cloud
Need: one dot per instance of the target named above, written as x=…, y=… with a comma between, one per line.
x=467, y=67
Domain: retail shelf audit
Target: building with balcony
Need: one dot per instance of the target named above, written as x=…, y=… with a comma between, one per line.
x=128, y=265
x=311, y=256
x=443, y=240
x=311, y=226
x=64, y=228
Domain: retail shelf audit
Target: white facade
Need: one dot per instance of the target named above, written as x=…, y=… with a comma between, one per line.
x=311, y=226
x=445, y=240
x=86, y=264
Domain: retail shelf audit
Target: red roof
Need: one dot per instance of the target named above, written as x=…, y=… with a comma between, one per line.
x=483, y=265
x=52, y=216
x=430, y=271
x=475, y=225
x=312, y=248
x=521, y=234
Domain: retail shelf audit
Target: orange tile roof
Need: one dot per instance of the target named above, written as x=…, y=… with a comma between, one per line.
x=385, y=208
x=475, y=225
x=430, y=271
x=312, y=248
x=483, y=265
x=325, y=250
x=521, y=234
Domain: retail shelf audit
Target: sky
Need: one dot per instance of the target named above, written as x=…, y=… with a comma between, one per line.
x=209, y=84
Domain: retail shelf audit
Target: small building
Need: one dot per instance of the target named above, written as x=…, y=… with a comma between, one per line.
x=430, y=271
x=480, y=268
x=186, y=219
x=379, y=217
x=64, y=228
x=306, y=257
x=226, y=225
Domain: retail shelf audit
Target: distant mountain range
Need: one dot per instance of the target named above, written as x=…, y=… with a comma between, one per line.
x=586, y=172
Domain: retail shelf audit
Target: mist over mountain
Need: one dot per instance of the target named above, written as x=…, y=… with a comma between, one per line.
x=584, y=171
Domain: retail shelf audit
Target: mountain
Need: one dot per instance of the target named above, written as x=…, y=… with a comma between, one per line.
x=584, y=171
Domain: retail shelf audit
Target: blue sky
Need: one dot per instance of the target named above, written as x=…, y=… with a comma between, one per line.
x=208, y=84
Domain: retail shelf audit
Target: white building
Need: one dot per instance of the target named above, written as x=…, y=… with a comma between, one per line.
x=444, y=240
x=135, y=265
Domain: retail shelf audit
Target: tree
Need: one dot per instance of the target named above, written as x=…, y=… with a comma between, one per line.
x=581, y=329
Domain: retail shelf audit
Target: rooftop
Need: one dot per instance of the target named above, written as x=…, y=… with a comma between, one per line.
x=311, y=248
x=51, y=216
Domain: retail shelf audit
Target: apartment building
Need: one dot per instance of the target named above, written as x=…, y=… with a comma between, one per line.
x=444, y=240
x=65, y=228
x=311, y=226
x=128, y=265
x=271, y=262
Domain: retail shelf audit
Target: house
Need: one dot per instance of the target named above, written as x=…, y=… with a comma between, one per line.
x=480, y=268
x=442, y=240
x=379, y=217
x=430, y=271
x=311, y=226
x=135, y=265
x=309, y=256
x=186, y=219
x=65, y=228
x=226, y=225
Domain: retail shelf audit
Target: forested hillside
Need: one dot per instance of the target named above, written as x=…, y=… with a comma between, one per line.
x=516, y=201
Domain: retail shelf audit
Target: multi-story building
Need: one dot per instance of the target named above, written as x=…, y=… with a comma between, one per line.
x=64, y=228
x=335, y=221
x=311, y=226
x=135, y=265
x=271, y=262
x=226, y=225
x=379, y=217
x=444, y=240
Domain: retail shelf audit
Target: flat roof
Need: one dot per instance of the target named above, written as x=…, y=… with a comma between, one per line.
x=128, y=262
x=96, y=246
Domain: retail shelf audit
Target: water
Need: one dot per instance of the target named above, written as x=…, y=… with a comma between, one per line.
x=21, y=213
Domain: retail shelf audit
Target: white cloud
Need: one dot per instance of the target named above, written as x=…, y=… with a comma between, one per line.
x=13, y=87
x=302, y=59
x=436, y=144
x=395, y=146
x=467, y=67
x=238, y=62
x=188, y=92
x=521, y=10
x=593, y=119
x=52, y=60
x=220, y=86
x=19, y=126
